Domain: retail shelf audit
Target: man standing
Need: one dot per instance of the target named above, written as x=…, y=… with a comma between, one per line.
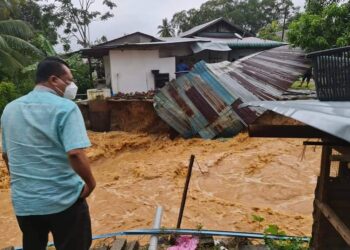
x=43, y=137
x=307, y=76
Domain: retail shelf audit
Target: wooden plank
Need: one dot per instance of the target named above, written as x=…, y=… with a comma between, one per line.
x=100, y=248
x=332, y=217
x=132, y=245
x=119, y=244
x=341, y=158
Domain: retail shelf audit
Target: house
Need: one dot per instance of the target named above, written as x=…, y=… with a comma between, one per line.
x=140, y=62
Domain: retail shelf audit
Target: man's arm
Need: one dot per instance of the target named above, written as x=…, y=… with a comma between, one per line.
x=6, y=159
x=81, y=166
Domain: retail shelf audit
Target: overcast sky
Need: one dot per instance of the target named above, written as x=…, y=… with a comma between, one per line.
x=141, y=15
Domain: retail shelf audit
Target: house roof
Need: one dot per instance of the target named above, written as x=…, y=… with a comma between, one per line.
x=254, y=42
x=245, y=42
x=104, y=48
x=196, y=29
x=115, y=41
x=139, y=41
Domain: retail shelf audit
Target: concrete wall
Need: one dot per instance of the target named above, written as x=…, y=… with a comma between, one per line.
x=131, y=69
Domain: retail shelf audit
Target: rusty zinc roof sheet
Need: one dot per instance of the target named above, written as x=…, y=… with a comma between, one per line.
x=205, y=101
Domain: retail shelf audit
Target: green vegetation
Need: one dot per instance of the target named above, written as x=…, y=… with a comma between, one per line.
x=292, y=244
x=322, y=27
x=80, y=71
x=269, y=32
x=272, y=229
x=15, y=51
x=296, y=85
x=28, y=31
x=8, y=93
x=252, y=15
x=166, y=30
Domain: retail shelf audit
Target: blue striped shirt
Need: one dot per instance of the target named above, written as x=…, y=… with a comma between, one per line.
x=38, y=130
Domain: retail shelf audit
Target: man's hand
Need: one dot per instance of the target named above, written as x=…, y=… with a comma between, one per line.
x=80, y=164
x=86, y=192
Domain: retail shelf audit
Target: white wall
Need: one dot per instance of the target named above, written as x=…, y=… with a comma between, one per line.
x=131, y=69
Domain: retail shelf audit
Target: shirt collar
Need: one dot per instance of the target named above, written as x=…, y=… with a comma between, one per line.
x=44, y=89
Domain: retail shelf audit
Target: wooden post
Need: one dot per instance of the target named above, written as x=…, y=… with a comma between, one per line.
x=184, y=195
x=324, y=173
x=321, y=195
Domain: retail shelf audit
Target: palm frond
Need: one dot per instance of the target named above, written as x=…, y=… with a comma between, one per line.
x=30, y=68
x=16, y=28
x=3, y=44
x=20, y=45
x=20, y=57
x=9, y=62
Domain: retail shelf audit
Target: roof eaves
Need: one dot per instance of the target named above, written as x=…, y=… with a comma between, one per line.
x=116, y=39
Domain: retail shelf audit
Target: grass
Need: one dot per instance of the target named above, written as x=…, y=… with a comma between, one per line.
x=296, y=85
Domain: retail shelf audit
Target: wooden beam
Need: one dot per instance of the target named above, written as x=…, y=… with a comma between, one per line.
x=295, y=131
x=320, y=221
x=286, y=131
x=341, y=158
x=118, y=244
x=324, y=173
x=336, y=222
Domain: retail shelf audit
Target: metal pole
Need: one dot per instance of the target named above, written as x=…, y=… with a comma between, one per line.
x=184, y=195
x=153, y=244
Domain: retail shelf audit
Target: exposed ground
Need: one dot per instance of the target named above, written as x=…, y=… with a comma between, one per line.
x=233, y=179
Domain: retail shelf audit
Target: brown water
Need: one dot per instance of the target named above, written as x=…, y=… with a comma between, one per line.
x=232, y=180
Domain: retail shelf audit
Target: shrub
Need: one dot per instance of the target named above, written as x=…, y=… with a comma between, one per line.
x=8, y=93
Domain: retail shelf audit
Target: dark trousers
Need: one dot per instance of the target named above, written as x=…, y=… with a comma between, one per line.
x=71, y=229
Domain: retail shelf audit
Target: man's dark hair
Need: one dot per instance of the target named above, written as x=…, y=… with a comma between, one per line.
x=49, y=66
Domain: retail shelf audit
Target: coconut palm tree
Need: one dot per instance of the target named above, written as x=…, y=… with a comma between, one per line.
x=15, y=50
x=166, y=29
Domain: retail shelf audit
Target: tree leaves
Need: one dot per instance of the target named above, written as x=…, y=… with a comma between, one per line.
x=77, y=19
x=16, y=28
x=330, y=28
x=109, y=4
x=166, y=29
x=252, y=15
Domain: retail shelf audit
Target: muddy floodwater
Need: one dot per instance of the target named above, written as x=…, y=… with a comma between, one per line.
x=232, y=180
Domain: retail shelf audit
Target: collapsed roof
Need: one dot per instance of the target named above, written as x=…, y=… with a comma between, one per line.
x=206, y=101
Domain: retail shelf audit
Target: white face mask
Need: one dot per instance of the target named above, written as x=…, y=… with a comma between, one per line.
x=71, y=91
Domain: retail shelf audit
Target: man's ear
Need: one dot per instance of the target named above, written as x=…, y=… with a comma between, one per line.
x=52, y=79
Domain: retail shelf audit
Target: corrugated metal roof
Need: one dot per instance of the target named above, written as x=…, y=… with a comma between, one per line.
x=199, y=27
x=212, y=46
x=330, y=117
x=245, y=42
x=206, y=100
x=254, y=42
x=203, y=26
